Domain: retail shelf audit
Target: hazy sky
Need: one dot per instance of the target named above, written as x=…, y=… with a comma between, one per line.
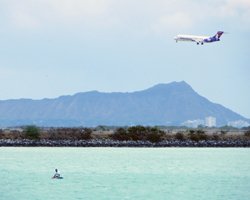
x=50, y=48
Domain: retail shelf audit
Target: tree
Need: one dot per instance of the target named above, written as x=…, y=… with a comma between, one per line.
x=32, y=132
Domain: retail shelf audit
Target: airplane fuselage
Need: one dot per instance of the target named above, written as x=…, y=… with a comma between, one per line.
x=199, y=39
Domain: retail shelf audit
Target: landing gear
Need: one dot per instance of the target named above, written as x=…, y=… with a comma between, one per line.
x=202, y=43
x=197, y=43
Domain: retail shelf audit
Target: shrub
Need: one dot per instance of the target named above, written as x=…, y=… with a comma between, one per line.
x=85, y=134
x=201, y=134
x=222, y=132
x=197, y=135
x=247, y=133
x=179, y=136
x=154, y=137
x=215, y=136
x=120, y=134
x=32, y=132
x=70, y=133
x=193, y=136
x=136, y=133
x=1, y=134
x=59, y=133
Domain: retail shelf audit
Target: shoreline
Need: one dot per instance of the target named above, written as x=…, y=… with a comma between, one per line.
x=116, y=143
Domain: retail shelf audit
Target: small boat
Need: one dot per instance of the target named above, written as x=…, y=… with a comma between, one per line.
x=57, y=177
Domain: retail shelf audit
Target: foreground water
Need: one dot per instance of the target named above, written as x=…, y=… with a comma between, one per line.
x=125, y=173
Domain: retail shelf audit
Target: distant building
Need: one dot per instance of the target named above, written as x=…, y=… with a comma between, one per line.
x=193, y=123
x=238, y=123
x=210, y=121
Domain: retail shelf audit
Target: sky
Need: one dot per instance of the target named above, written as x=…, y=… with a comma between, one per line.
x=50, y=48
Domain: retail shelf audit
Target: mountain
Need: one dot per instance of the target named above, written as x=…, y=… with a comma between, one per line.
x=163, y=104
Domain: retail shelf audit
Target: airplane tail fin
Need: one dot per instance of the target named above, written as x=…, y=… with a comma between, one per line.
x=218, y=34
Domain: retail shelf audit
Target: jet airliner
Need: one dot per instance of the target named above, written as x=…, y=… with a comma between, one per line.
x=199, y=39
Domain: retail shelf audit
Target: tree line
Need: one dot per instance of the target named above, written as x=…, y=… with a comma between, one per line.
x=133, y=133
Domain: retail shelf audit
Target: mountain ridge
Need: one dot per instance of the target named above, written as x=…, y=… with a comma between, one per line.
x=163, y=104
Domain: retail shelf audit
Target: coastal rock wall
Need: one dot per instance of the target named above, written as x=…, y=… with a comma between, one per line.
x=115, y=143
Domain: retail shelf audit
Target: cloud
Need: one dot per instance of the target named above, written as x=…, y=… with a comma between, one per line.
x=236, y=8
x=157, y=17
x=237, y=11
x=76, y=9
x=39, y=13
x=22, y=19
x=171, y=23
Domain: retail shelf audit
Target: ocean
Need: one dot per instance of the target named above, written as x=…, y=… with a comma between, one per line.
x=124, y=173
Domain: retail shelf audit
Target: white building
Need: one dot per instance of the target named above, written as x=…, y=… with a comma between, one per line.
x=210, y=121
x=193, y=123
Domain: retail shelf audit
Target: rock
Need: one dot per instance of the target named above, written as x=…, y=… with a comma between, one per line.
x=115, y=143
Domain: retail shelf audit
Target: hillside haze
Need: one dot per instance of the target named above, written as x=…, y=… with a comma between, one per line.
x=162, y=104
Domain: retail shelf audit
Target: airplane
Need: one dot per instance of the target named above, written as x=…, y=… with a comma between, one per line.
x=199, y=39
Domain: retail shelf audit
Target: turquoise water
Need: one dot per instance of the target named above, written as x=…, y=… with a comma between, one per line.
x=125, y=173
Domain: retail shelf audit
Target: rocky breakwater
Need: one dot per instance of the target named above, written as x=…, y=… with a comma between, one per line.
x=116, y=143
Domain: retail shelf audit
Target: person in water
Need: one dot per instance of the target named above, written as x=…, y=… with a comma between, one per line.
x=57, y=174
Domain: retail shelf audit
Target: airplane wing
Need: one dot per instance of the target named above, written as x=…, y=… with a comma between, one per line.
x=190, y=38
x=198, y=40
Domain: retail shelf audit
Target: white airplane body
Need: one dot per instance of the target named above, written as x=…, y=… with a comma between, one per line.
x=199, y=39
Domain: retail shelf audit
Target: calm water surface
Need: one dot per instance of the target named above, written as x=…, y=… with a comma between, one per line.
x=125, y=173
